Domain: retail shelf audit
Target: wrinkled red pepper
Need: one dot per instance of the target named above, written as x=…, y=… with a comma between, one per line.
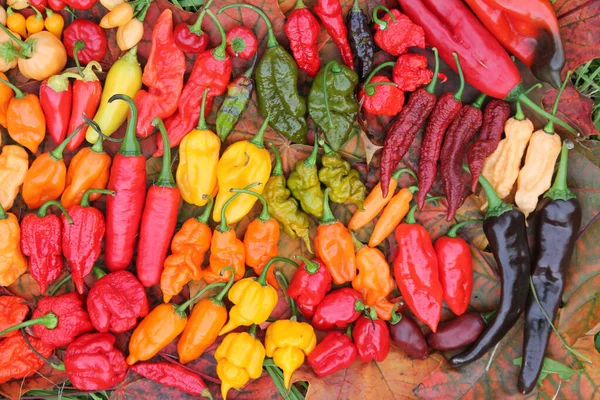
x=338, y=309
x=174, y=375
x=89, y=37
x=379, y=96
x=335, y=352
x=410, y=72
x=371, y=337
x=17, y=360
x=302, y=29
x=310, y=283
x=330, y=14
x=395, y=32
x=13, y=310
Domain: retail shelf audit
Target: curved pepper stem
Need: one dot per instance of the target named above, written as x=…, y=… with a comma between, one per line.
x=549, y=128
x=328, y=217
x=60, y=367
x=410, y=216
x=60, y=284
x=60, y=83
x=264, y=215
x=396, y=316
x=219, y=51
x=436, y=70
x=479, y=101
x=165, y=178
x=196, y=28
x=539, y=110
x=496, y=207
x=459, y=93
x=520, y=115
x=262, y=278
x=328, y=150
x=259, y=139
x=559, y=189
x=367, y=85
x=383, y=25
x=452, y=233
x=18, y=92
x=221, y=295
x=99, y=272
x=396, y=174
x=309, y=266
x=57, y=153
x=180, y=309
x=223, y=227
x=85, y=199
x=271, y=39
x=203, y=218
x=278, y=167
x=283, y=283
x=26, y=48
x=78, y=45
x=311, y=160
x=130, y=145
x=49, y=321
x=357, y=243
x=202, y=121
x=3, y=214
x=44, y=210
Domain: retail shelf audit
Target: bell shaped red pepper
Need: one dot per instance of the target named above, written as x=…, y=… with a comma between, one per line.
x=335, y=352
x=338, y=309
x=310, y=283
x=86, y=39
x=371, y=337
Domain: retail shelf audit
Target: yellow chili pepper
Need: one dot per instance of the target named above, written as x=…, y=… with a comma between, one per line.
x=12, y=262
x=124, y=77
x=198, y=159
x=111, y=4
x=14, y=163
x=130, y=34
x=35, y=22
x=243, y=163
x=119, y=15
x=240, y=357
x=54, y=23
x=16, y=22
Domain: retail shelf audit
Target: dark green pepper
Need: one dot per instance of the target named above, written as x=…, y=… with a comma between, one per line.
x=342, y=180
x=277, y=86
x=284, y=208
x=235, y=103
x=305, y=186
x=331, y=102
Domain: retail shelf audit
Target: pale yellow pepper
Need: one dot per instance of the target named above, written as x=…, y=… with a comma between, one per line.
x=119, y=15
x=130, y=34
x=14, y=163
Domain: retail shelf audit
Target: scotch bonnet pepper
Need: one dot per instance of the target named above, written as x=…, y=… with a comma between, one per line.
x=14, y=163
x=335, y=352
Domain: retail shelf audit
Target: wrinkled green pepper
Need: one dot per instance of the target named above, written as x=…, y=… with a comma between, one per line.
x=305, y=186
x=277, y=86
x=342, y=180
x=235, y=103
x=284, y=208
x=331, y=103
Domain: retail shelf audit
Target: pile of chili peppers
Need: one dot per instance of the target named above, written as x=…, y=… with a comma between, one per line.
x=348, y=290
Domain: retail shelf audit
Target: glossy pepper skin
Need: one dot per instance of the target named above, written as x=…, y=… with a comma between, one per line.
x=393, y=213
x=82, y=238
x=6, y=95
x=344, y=181
x=407, y=335
x=93, y=362
x=305, y=186
x=241, y=42
x=504, y=227
x=191, y=38
x=13, y=310
x=277, y=86
x=331, y=102
x=173, y=375
x=235, y=103
x=87, y=93
x=25, y=120
x=361, y=40
x=558, y=224
x=302, y=30
x=395, y=32
x=17, y=360
x=14, y=163
x=56, y=95
x=12, y=262
x=456, y=333
x=374, y=281
x=383, y=99
x=116, y=301
x=335, y=352
x=330, y=14
x=372, y=338
x=124, y=209
x=310, y=283
x=410, y=72
x=338, y=309
x=529, y=30
x=334, y=246
x=91, y=35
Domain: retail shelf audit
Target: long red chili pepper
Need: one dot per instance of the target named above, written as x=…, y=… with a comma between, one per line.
x=402, y=132
x=330, y=14
x=56, y=94
x=158, y=220
x=124, y=209
x=87, y=93
x=302, y=30
x=446, y=109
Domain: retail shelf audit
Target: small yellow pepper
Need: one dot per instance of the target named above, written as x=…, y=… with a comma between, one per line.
x=14, y=163
x=240, y=357
x=35, y=22
x=119, y=15
x=16, y=22
x=111, y=4
x=17, y=4
x=130, y=34
x=243, y=163
x=54, y=23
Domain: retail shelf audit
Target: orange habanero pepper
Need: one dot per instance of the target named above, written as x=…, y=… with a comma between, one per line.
x=12, y=262
x=6, y=95
x=14, y=163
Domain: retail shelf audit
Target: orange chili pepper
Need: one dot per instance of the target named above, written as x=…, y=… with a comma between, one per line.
x=35, y=22
x=392, y=215
x=25, y=119
x=14, y=163
x=188, y=247
x=334, y=246
x=54, y=23
x=260, y=240
x=160, y=327
x=12, y=262
x=375, y=202
x=45, y=180
x=206, y=320
x=89, y=169
x=6, y=95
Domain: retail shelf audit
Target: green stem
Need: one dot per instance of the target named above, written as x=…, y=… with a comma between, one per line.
x=383, y=25
x=203, y=218
x=98, y=272
x=223, y=227
x=278, y=168
x=60, y=83
x=396, y=174
x=431, y=87
x=197, y=27
x=181, y=308
x=44, y=209
x=262, y=278
x=59, y=285
x=309, y=266
x=283, y=283
x=221, y=295
x=165, y=178
x=219, y=52
x=325, y=96
x=78, y=45
x=130, y=145
x=259, y=139
x=271, y=39
x=85, y=200
x=328, y=150
x=396, y=317
x=520, y=115
x=18, y=93
x=49, y=320
x=38, y=14
x=299, y=4
x=26, y=48
x=479, y=101
x=202, y=121
x=496, y=207
x=410, y=216
x=250, y=70
x=357, y=243
x=355, y=6
x=328, y=217
x=559, y=189
x=57, y=153
x=377, y=69
x=549, y=128
x=60, y=367
x=452, y=233
x=459, y=93
x=252, y=330
x=311, y=160
x=539, y=110
x=371, y=88
x=264, y=215
x=3, y=214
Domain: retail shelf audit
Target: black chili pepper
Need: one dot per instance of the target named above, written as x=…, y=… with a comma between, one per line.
x=361, y=40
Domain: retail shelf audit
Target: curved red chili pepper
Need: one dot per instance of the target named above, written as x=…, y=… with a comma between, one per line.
x=330, y=14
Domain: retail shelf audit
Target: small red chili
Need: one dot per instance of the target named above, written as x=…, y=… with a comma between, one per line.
x=241, y=42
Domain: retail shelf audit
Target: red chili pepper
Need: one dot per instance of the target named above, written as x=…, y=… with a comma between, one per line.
x=416, y=271
x=212, y=70
x=82, y=239
x=371, y=337
x=306, y=310
x=57, y=5
x=335, y=352
x=158, y=220
x=338, y=309
x=94, y=363
x=330, y=14
x=13, y=310
x=163, y=76
x=173, y=375
x=116, y=301
x=241, y=42
x=402, y=132
x=124, y=209
x=41, y=239
x=81, y=5
x=191, y=38
x=495, y=115
x=457, y=333
x=410, y=72
x=407, y=335
x=379, y=96
x=56, y=94
x=310, y=283
x=88, y=37
x=87, y=93
x=455, y=266
x=17, y=360
x=40, y=5
x=395, y=32
x=302, y=30
x=70, y=317
x=462, y=129
x=446, y=110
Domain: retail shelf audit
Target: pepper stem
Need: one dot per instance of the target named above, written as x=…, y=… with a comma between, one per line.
x=452, y=233
x=410, y=216
x=99, y=272
x=202, y=121
x=130, y=145
x=328, y=150
x=60, y=367
x=3, y=214
x=219, y=297
x=309, y=266
x=44, y=209
x=165, y=178
x=436, y=70
x=539, y=110
x=85, y=199
x=396, y=316
x=59, y=285
x=262, y=278
x=18, y=93
x=49, y=320
x=264, y=215
x=223, y=227
x=479, y=101
x=180, y=308
x=325, y=97
x=57, y=153
x=549, y=128
x=278, y=168
x=378, y=68
x=271, y=39
x=459, y=93
x=311, y=160
x=559, y=189
x=520, y=116
x=252, y=330
x=496, y=207
x=300, y=4
x=78, y=45
x=355, y=6
x=328, y=217
x=197, y=27
x=357, y=243
x=283, y=283
x=203, y=218
x=250, y=70
x=219, y=51
x=26, y=48
x=396, y=174
x=259, y=139
x=383, y=25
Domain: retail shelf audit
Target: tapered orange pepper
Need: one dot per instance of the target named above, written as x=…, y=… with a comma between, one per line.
x=392, y=215
x=6, y=95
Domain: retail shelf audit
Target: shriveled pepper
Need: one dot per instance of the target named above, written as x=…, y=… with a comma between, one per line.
x=338, y=309
x=169, y=374
x=361, y=40
x=17, y=360
x=335, y=352
x=371, y=336
x=380, y=96
x=14, y=163
x=302, y=29
x=13, y=310
x=12, y=262
x=239, y=92
x=243, y=163
x=395, y=32
x=330, y=14
x=331, y=102
x=410, y=72
x=304, y=184
x=310, y=283
x=333, y=245
x=344, y=181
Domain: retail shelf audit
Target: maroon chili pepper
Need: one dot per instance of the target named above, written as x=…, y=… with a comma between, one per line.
x=89, y=39
x=330, y=14
x=407, y=335
x=495, y=115
x=241, y=42
x=462, y=129
x=310, y=283
x=402, y=132
x=56, y=94
x=335, y=352
x=371, y=337
x=302, y=30
x=87, y=93
x=457, y=333
x=338, y=309
x=173, y=375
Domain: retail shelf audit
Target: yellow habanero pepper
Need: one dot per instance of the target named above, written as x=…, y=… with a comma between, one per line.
x=14, y=163
x=124, y=77
x=240, y=357
x=198, y=159
x=12, y=262
x=243, y=163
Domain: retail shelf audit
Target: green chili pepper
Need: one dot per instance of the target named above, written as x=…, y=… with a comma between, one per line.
x=342, y=180
x=305, y=186
x=331, y=102
x=277, y=86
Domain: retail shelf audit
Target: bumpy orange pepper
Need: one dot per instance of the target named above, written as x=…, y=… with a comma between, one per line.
x=188, y=247
x=6, y=95
x=14, y=163
x=12, y=262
